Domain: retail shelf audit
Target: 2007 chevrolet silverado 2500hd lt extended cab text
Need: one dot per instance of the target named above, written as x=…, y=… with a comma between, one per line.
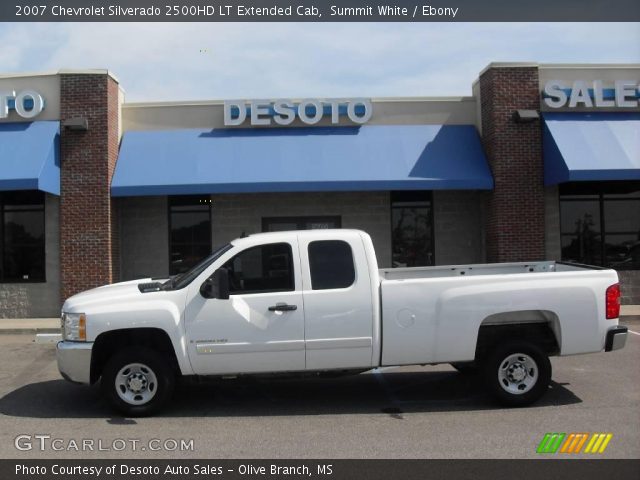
x=314, y=301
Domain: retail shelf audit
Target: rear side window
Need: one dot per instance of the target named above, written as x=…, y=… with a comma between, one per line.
x=331, y=264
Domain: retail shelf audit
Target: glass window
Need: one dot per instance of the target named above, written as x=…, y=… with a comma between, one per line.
x=22, y=242
x=600, y=224
x=331, y=264
x=266, y=268
x=580, y=217
x=621, y=215
x=412, y=229
x=282, y=224
x=189, y=232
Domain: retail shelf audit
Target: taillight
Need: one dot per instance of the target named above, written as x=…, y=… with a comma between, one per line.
x=613, y=301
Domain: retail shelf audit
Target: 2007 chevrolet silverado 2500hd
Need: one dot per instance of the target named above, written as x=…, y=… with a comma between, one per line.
x=314, y=301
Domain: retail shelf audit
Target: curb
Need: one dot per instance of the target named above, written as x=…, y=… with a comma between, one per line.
x=28, y=331
x=48, y=338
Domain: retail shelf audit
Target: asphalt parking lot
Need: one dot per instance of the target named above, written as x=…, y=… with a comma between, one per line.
x=416, y=412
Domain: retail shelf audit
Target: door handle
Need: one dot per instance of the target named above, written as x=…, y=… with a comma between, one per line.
x=283, y=307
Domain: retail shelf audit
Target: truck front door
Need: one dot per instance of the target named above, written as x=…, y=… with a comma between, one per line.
x=260, y=328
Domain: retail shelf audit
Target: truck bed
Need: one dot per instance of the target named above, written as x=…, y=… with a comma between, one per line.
x=479, y=269
x=433, y=314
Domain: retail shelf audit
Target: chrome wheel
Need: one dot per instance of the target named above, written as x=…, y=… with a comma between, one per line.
x=518, y=373
x=136, y=384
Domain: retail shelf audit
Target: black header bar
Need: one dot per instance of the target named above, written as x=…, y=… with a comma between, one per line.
x=320, y=11
x=327, y=469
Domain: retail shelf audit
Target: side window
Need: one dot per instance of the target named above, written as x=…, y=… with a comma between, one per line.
x=266, y=268
x=331, y=264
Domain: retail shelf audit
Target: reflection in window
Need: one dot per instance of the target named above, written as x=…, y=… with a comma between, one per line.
x=412, y=229
x=189, y=232
x=22, y=244
x=600, y=224
x=265, y=268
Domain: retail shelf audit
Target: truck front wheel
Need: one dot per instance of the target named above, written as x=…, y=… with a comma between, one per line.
x=517, y=373
x=137, y=381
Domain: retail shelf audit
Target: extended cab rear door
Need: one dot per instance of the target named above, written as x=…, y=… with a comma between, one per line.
x=337, y=301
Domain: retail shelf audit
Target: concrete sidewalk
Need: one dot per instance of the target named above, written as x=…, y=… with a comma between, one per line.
x=34, y=326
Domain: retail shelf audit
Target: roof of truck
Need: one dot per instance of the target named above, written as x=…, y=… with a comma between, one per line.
x=321, y=233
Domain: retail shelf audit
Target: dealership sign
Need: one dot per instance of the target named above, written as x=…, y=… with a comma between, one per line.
x=27, y=103
x=284, y=112
x=580, y=93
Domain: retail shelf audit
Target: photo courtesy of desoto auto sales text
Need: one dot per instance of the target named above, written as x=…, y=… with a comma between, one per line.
x=316, y=239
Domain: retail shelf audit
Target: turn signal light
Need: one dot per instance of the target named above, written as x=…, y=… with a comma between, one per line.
x=613, y=301
x=82, y=327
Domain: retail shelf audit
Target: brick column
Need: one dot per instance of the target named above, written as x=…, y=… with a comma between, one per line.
x=515, y=214
x=89, y=253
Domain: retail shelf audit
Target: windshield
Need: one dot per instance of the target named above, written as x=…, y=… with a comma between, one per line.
x=184, y=279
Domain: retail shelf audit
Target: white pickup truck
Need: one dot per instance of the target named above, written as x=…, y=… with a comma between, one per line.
x=314, y=301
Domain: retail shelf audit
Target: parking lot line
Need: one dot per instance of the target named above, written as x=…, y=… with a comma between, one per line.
x=635, y=333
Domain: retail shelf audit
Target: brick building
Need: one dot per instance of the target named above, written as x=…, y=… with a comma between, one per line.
x=541, y=162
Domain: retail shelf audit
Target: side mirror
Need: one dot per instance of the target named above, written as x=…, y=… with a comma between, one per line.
x=217, y=285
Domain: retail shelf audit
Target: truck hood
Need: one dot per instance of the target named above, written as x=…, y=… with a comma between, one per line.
x=107, y=294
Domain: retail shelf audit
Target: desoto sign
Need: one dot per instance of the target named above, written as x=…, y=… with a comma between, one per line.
x=27, y=103
x=284, y=112
x=620, y=94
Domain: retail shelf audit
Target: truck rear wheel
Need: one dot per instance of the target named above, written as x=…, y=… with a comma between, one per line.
x=137, y=381
x=517, y=373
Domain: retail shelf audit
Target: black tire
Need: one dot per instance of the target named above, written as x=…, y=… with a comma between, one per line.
x=154, y=367
x=466, y=368
x=538, y=373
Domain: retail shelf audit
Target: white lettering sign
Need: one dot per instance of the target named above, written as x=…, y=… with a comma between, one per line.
x=621, y=94
x=284, y=112
x=27, y=103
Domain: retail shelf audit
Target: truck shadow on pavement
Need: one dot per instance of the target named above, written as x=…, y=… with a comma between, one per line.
x=391, y=394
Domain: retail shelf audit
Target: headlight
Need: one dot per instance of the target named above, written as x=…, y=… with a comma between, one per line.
x=74, y=327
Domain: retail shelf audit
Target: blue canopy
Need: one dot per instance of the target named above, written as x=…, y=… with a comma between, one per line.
x=29, y=156
x=591, y=146
x=409, y=157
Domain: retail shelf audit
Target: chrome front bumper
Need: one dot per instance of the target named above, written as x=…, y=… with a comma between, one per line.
x=74, y=361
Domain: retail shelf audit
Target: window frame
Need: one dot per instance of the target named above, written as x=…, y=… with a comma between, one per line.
x=177, y=198
x=262, y=245
x=606, y=192
x=429, y=203
x=353, y=263
x=300, y=220
x=40, y=207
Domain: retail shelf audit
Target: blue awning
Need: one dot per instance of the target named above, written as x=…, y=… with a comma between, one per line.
x=591, y=146
x=402, y=157
x=29, y=156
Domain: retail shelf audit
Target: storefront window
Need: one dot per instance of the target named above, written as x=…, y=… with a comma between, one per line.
x=22, y=237
x=282, y=224
x=600, y=224
x=412, y=229
x=189, y=231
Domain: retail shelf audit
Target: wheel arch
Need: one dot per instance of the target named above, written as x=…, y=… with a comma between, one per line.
x=541, y=327
x=108, y=343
